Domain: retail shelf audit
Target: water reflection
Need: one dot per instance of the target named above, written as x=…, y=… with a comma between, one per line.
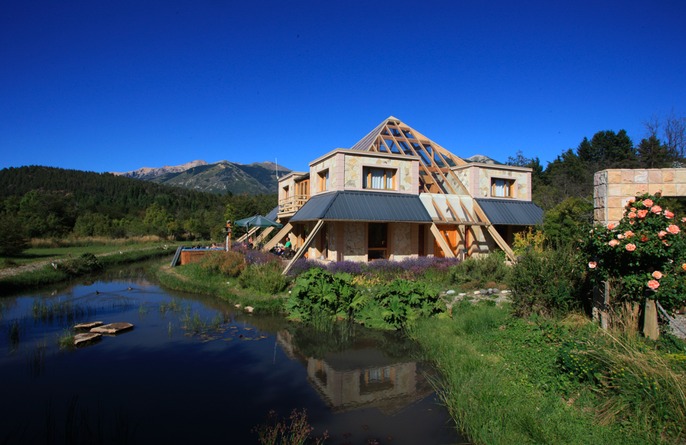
x=194, y=370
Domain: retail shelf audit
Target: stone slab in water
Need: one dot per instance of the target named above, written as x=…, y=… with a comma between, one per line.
x=89, y=325
x=113, y=328
x=86, y=337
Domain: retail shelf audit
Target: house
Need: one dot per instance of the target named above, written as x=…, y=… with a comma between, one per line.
x=396, y=194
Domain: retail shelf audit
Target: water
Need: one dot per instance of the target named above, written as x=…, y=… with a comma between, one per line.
x=197, y=370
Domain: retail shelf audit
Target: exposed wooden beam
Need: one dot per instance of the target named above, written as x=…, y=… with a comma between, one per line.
x=278, y=237
x=443, y=244
x=299, y=253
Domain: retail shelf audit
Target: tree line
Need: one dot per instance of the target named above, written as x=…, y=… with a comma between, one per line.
x=45, y=202
x=564, y=188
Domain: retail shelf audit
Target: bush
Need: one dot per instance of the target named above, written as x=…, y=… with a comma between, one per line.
x=319, y=296
x=547, y=283
x=84, y=264
x=405, y=301
x=265, y=278
x=643, y=256
x=477, y=271
x=228, y=263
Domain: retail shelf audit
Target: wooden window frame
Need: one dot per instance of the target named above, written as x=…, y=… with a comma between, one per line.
x=509, y=187
x=323, y=180
x=367, y=177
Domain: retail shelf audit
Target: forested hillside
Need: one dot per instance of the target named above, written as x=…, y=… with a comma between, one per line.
x=40, y=201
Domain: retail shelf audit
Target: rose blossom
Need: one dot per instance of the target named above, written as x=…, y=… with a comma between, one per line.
x=683, y=219
x=620, y=236
x=661, y=234
x=656, y=209
x=633, y=209
x=628, y=233
x=683, y=267
x=642, y=213
x=668, y=214
x=592, y=265
x=673, y=229
x=613, y=242
x=632, y=215
x=648, y=202
x=644, y=238
x=611, y=226
x=653, y=284
x=657, y=274
x=630, y=247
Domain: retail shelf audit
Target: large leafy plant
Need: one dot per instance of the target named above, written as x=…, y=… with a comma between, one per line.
x=642, y=256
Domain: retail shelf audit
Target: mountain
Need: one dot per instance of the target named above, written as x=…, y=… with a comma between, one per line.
x=220, y=177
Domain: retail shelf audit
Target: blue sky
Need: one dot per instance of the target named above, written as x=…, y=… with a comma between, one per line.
x=115, y=86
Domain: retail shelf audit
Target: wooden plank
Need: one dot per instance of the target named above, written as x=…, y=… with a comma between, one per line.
x=278, y=237
x=494, y=233
x=445, y=247
x=247, y=234
x=299, y=253
x=438, y=210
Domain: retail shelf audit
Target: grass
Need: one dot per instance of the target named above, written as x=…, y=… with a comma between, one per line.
x=503, y=383
x=193, y=278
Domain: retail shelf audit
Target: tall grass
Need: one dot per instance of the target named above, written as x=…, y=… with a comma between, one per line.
x=502, y=382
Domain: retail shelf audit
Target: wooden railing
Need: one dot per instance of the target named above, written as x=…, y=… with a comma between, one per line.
x=293, y=203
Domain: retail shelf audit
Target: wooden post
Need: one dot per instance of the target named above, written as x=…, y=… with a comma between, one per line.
x=651, y=329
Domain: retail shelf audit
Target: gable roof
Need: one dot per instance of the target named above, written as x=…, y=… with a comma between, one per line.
x=511, y=212
x=352, y=205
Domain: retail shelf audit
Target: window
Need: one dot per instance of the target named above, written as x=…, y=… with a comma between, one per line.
x=502, y=188
x=379, y=178
x=323, y=180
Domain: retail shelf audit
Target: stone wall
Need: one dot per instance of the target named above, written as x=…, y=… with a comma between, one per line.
x=613, y=188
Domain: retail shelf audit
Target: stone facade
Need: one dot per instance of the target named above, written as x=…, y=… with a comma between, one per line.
x=613, y=188
x=477, y=178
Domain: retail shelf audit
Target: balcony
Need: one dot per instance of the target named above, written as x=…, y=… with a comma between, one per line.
x=288, y=206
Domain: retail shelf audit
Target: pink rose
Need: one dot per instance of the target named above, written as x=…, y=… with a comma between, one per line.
x=668, y=214
x=632, y=215
x=628, y=234
x=673, y=229
x=661, y=234
x=642, y=213
x=653, y=284
x=656, y=209
x=613, y=243
x=633, y=209
x=648, y=202
x=683, y=219
x=620, y=236
x=592, y=265
x=630, y=247
x=611, y=226
x=683, y=267
x=657, y=274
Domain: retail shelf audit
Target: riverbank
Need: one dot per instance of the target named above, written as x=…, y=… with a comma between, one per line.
x=63, y=265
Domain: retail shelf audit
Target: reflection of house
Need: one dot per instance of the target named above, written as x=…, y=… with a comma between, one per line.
x=361, y=377
x=396, y=194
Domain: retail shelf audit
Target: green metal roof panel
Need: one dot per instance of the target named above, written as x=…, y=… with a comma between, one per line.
x=511, y=212
x=363, y=206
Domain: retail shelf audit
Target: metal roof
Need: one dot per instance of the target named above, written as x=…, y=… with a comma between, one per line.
x=511, y=212
x=351, y=205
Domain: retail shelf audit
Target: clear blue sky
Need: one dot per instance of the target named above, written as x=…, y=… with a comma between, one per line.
x=118, y=85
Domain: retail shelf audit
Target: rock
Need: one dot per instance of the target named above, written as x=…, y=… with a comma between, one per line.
x=112, y=328
x=89, y=325
x=86, y=337
x=449, y=292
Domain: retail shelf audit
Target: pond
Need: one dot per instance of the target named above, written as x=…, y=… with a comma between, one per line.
x=197, y=370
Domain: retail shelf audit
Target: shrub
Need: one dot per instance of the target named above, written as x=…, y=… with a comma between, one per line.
x=405, y=301
x=643, y=256
x=228, y=263
x=546, y=283
x=265, y=278
x=481, y=270
x=84, y=264
x=319, y=295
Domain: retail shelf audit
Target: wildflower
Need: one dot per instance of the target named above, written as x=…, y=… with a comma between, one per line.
x=593, y=264
x=630, y=247
x=656, y=209
x=613, y=243
x=668, y=214
x=628, y=234
x=661, y=234
x=642, y=213
x=648, y=202
x=657, y=274
x=653, y=284
x=632, y=215
x=673, y=229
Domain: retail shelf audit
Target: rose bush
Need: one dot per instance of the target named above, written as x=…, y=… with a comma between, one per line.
x=642, y=256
